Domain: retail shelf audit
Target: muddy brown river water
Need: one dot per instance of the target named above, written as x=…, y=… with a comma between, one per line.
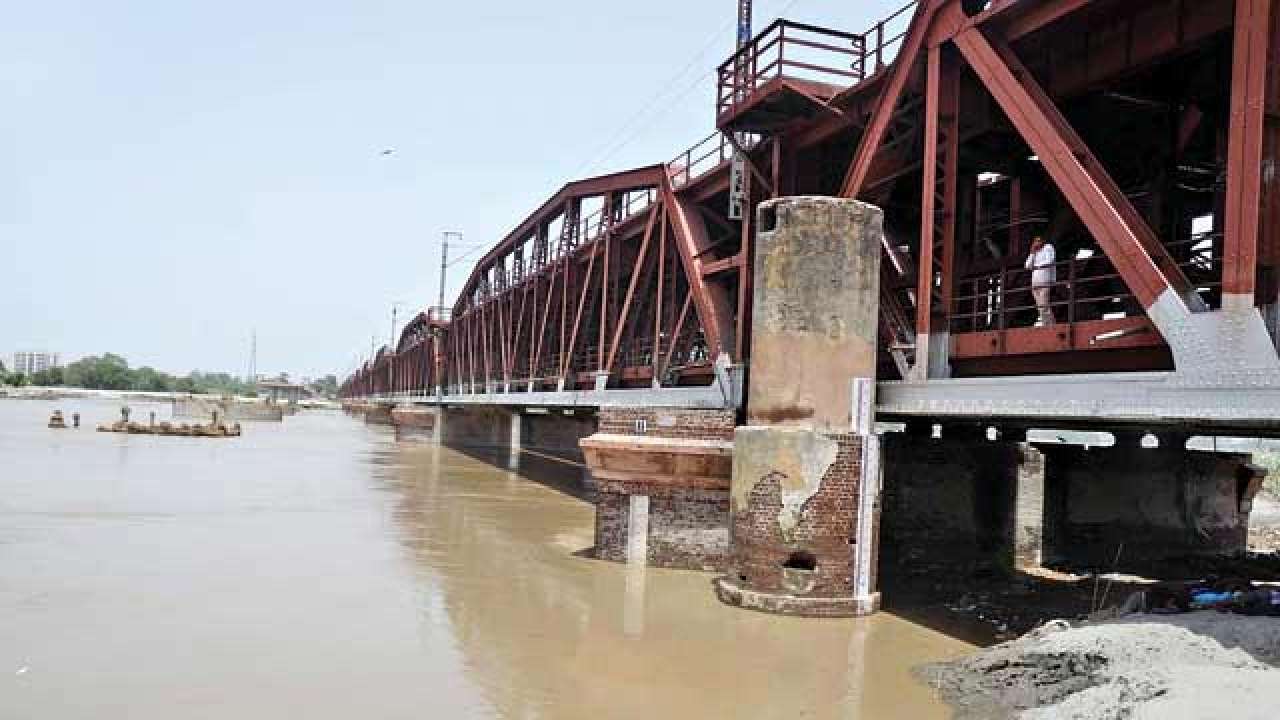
x=319, y=568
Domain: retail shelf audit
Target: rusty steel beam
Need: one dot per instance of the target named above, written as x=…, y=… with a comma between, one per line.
x=675, y=335
x=536, y=355
x=1244, y=150
x=710, y=299
x=928, y=197
x=502, y=337
x=657, y=311
x=621, y=182
x=1017, y=18
x=888, y=101
x=1124, y=236
x=567, y=361
x=949, y=167
x=935, y=269
x=631, y=289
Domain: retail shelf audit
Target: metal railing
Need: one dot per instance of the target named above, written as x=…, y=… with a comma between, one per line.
x=594, y=225
x=1086, y=288
x=705, y=156
x=808, y=52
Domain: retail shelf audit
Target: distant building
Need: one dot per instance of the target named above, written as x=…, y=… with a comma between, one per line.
x=282, y=391
x=30, y=363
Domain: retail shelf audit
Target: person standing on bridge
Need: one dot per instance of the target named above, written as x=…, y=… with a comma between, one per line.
x=1043, y=276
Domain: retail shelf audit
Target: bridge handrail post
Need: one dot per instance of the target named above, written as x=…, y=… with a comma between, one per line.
x=1004, y=297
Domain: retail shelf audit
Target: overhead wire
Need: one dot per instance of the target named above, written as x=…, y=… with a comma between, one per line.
x=656, y=97
x=673, y=101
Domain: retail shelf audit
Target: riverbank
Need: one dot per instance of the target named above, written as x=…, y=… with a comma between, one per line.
x=987, y=603
x=67, y=393
x=1198, y=665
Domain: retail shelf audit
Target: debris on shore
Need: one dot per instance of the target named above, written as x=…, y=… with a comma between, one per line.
x=212, y=429
x=167, y=428
x=1167, y=667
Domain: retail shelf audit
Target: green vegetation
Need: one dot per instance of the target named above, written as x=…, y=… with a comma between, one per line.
x=112, y=372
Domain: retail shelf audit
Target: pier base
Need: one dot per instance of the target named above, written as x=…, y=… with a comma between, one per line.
x=796, y=506
x=662, y=486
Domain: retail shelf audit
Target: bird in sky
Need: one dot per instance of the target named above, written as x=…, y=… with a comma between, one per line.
x=388, y=151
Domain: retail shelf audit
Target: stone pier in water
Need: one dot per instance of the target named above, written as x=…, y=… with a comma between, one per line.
x=803, y=527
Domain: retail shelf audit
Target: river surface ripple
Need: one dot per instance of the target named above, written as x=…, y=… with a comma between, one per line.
x=319, y=568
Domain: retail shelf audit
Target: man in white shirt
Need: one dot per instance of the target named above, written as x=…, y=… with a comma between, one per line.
x=1043, y=275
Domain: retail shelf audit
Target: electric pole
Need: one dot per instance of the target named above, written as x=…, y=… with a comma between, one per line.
x=253, y=356
x=738, y=166
x=444, y=264
x=394, y=307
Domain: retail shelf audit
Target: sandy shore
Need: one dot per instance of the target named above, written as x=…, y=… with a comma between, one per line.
x=1180, y=667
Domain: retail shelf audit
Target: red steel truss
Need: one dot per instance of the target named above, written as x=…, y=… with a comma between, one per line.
x=1138, y=136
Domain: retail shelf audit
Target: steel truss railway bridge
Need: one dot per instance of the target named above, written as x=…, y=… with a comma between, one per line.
x=1139, y=137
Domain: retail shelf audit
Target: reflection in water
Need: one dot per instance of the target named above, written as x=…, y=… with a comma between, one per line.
x=633, y=607
x=318, y=568
x=550, y=633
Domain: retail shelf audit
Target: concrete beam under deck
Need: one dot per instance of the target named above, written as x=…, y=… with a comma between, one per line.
x=710, y=397
x=1149, y=399
x=1146, y=399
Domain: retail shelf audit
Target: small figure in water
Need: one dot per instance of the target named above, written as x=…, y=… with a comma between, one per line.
x=75, y=420
x=56, y=421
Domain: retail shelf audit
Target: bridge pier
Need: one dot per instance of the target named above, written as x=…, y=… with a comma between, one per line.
x=513, y=456
x=804, y=528
x=417, y=422
x=378, y=413
x=1146, y=505
x=962, y=502
x=661, y=479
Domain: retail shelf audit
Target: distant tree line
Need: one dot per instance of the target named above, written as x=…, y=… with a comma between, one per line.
x=112, y=372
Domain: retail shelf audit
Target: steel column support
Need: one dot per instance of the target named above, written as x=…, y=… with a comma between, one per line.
x=1244, y=151
x=657, y=310
x=605, y=277
x=937, y=216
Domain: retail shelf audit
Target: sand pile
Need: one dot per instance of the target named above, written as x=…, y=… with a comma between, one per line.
x=1198, y=665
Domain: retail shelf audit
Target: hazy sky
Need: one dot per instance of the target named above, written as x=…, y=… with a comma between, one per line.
x=176, y=174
